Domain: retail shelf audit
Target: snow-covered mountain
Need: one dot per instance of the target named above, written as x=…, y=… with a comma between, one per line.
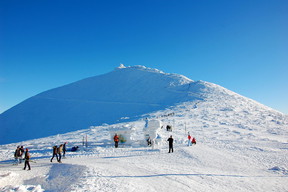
x=241, y=144
x=125, y=92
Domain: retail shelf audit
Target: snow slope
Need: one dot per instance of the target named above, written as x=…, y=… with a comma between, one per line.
x=231, y=154
x=241, y=145
x=124, y=92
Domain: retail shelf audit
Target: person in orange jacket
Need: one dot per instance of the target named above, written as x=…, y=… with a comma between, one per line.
x=116, y=140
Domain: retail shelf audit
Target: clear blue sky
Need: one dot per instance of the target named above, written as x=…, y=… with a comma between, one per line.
x=241, y=45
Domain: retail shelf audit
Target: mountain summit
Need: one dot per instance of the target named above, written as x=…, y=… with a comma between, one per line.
x=125, y=92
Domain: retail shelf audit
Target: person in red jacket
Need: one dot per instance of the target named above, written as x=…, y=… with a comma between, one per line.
x=189, y=139
x=193, y=141
x=116, y=140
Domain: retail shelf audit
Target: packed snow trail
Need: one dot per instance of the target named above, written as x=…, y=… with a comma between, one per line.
x=141, y=169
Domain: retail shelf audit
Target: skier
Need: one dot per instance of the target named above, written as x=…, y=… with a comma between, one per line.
x=170, y=140
x=189, y=139
x=27, y=159
x=116, y=140
x=54, y=153
x=59, y=151
x=193, y=141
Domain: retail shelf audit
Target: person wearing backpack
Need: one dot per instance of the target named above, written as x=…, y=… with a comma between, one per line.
x=27, y=159
x=59, y=151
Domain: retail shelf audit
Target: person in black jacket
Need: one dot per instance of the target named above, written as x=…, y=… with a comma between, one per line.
x=27, y=159
x=17, y=155
x=54, y=153
x=21, y=153
x=64, y=149
x=170, y=140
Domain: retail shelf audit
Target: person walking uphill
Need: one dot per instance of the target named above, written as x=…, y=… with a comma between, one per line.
x=17, y=155
x=27, y=159
x=64, y=149
x=59, y=151
x=21, y=153
x=54, y=153
x=170, y=140
x=116, y=140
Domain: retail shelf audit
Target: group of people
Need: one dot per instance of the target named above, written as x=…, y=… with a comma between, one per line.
x=58, y=152
x=19, y=157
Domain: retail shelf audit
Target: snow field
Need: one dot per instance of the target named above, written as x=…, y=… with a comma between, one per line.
x=241, y=146
x=200, y=168
x=224, y=159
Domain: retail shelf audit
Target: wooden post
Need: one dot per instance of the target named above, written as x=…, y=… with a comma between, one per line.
x=185, y=128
